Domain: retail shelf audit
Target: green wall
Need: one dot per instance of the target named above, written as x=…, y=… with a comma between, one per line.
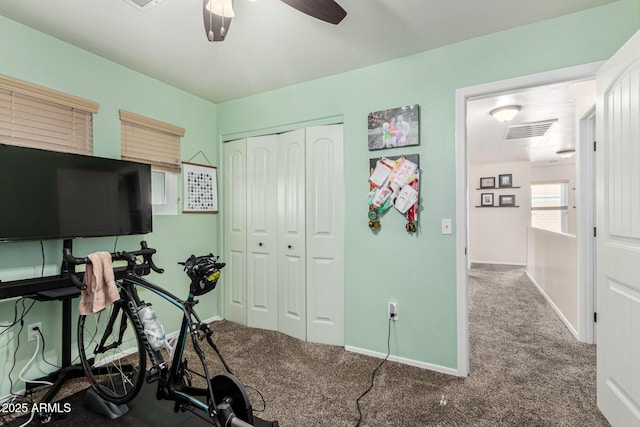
x=32, y=56
x=416, y=271
x=419, y=271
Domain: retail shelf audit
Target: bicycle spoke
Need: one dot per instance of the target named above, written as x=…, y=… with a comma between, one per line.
x=112, y=354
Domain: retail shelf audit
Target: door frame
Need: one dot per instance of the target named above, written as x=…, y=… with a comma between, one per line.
x=586, y=177
x=462, y=212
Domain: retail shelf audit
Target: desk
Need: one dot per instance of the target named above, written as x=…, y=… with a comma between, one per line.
x=55, y=288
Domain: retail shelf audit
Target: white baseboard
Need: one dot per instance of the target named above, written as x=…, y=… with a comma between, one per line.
x=555, y=308
x=405, y=361
x=499, y=263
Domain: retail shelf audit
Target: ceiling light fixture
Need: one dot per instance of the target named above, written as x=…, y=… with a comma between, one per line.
x=217, y=18
x=221, y=8
x=506, y=113
x=566, y=153
x=217, y=14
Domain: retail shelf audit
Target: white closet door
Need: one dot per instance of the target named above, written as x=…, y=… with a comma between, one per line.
x=235, y=231
x=262, y=226
x=325, y=234
x=292, y=284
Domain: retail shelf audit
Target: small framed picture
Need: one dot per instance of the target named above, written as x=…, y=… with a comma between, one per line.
x=507, y=200
x=488, y=182
x=505, y=180
x=486, y=199
x=200, y=188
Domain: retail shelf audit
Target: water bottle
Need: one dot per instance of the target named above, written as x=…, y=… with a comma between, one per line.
x=152, y=327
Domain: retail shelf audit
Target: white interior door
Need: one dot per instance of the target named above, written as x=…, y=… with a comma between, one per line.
x=292, y=280
x=235, y=231
x=618, y=242
x=325, y=234
x=262, y=228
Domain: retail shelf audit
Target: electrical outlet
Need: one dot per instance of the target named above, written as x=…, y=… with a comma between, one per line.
x=392, y=311
x=32, y=330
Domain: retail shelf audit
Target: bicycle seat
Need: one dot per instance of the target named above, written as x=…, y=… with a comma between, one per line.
x=203, y=271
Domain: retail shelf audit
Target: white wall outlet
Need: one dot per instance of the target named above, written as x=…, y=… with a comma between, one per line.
x=393, y=311
x=446, y=226
x=32, y=333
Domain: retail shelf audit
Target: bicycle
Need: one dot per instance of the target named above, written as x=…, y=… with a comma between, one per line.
x=114, y=343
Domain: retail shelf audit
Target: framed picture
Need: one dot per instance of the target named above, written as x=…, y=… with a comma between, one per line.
x=397, y=127
x=486, y=199
x=200, y=188
x=505, y=180
x=488, y=182
x=507, y=200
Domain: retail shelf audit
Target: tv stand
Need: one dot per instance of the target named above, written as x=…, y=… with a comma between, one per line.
x=68, y=370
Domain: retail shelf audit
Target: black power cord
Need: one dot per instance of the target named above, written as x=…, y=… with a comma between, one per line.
x=373, y=375
x=43, y=345
x=18, y=318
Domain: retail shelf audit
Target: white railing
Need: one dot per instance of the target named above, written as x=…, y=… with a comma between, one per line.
x=552, y=264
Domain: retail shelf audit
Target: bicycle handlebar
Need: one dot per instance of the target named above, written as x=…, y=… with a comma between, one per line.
x=144, y=251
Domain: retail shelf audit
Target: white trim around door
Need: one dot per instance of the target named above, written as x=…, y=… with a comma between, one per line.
x=462, y=95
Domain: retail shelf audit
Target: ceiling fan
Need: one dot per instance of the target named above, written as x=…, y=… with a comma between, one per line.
x=217, y=14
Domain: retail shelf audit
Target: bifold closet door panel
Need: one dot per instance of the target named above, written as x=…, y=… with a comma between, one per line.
x=235, y=231
x=292, y=317
x=262, y=232
x=325, y=234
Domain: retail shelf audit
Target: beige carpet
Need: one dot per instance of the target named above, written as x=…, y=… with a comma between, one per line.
x=526, y=370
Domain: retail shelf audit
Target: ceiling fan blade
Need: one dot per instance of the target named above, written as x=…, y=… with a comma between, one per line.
x=213, y=24
x=324, y=10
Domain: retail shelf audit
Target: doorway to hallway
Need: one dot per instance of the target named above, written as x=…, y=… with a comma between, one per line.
x=469, y=193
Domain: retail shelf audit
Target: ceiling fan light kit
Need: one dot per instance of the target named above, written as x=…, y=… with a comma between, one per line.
x=221, y=8
x=217, y=14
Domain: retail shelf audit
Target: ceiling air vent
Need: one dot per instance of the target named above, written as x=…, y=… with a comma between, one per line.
x=529, y=130
x=142, y=4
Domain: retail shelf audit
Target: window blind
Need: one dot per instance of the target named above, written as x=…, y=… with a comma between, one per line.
x=38, y=117
x=150, y=141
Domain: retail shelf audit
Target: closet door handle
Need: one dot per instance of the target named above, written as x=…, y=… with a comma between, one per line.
x=260, y=244
x=290, y=247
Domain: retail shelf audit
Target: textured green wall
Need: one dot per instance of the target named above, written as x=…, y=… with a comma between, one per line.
x=419, y=271
x=32, y=56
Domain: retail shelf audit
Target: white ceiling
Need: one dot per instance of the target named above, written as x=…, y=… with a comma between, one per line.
x=269, y=44
x=486, y=142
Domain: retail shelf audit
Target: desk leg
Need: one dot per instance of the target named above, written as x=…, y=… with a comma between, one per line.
x=66, y=332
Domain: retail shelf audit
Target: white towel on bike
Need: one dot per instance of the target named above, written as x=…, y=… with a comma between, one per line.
x=101, y=285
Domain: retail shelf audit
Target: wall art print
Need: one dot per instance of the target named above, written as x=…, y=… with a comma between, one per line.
x=200, y=188
x=397, y=127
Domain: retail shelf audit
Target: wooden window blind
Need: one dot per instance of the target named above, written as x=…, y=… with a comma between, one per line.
x=150, y=141
x=38, y=117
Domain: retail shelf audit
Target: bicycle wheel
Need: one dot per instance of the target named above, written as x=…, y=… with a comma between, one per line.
x=112, y=355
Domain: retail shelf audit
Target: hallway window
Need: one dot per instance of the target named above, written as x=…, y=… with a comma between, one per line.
x=549, y=206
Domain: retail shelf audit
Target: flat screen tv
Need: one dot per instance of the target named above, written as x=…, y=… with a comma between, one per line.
x=52, y=195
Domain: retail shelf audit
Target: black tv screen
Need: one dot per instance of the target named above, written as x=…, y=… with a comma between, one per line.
x=52, y=195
